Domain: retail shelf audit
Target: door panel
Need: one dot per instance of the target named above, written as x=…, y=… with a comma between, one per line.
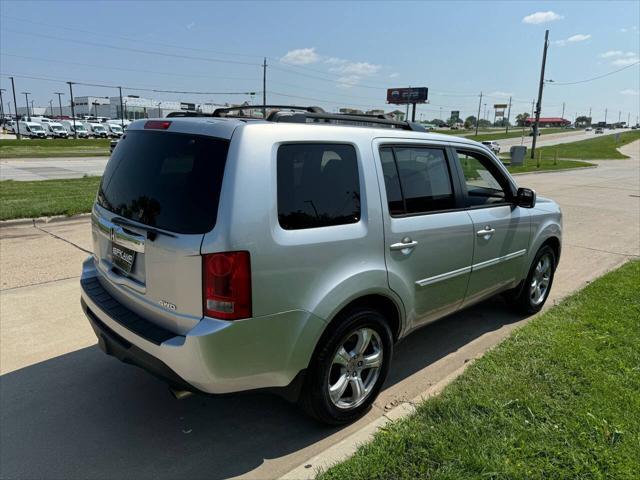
x=501, y=229
x=428, y=243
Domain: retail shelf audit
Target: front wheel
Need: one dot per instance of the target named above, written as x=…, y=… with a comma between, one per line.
x=348, y=368
x=533, y=293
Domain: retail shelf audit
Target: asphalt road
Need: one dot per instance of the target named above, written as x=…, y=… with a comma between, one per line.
x=69, y=411
x=53, y=168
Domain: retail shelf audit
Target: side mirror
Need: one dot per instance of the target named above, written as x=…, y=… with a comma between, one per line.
x=526, y=198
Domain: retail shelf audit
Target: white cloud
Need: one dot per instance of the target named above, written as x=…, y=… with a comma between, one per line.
x=617, y=53
x=580, y=37
x=301, y=56
x=498, y=93
x=394, y=75
x=189, y=26
x=541, y=17
x=360, y=69
x=624, y=62
x=630, y=91
x=623, y=30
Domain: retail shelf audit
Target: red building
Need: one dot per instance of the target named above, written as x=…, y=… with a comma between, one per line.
x=549, y=122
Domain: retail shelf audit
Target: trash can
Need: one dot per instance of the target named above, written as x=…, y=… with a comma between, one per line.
x=517, y=153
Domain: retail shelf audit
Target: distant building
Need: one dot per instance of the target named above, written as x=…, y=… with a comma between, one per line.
x=375, y=112
x=351, y=111
x=549, y=122
x=398, y=115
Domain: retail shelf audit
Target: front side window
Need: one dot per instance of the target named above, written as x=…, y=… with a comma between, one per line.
x=485, y=186
x=417, y=180
x=318, y=185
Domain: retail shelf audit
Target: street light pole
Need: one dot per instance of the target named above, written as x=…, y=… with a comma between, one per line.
x=15, y=107
x=2, y=106
x=478, y=117
x=539, y=105
x=508, y=116
x=73, y=110
x=26, y=99
x=59, y=94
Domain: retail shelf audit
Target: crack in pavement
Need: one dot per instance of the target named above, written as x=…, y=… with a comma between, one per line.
x=603, y=251
x=2, y=290
x=63, y=239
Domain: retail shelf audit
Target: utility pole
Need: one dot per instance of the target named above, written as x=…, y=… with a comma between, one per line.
x=15, y=107
x=59, y=101
x=73, y=111
x=2, y=106
x=508, y=116
x=562, y=116
x=619, y=115
x=51, y=107
x=478, y=117
x=605, y=117
x=539, y=105
x=121, y=109
x=26, y=99
x=628, y=118
x=264, y=88
x=590, y=122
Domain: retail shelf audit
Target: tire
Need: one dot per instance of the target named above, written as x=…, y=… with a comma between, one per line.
x=350, y=332
x=525, y=300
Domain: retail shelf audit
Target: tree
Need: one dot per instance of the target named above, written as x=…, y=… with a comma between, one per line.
x=470, y=121
x=521, y=118
x=438, y=123
x=503, y=122
x=583, y=121
x=484, y=123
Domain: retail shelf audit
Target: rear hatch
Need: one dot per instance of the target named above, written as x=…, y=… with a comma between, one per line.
x=158, y=197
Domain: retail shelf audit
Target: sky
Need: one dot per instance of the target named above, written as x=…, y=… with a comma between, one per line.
x=332, y=54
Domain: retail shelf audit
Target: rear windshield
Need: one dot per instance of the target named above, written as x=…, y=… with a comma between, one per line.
x=167, y=180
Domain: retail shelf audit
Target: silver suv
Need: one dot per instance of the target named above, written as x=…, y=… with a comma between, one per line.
x=292, y=253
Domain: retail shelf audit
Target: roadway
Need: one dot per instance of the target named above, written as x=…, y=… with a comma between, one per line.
x=56, y=168
x=89, y=416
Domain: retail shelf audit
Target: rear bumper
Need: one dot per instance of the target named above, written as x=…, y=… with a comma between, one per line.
x=216, y=356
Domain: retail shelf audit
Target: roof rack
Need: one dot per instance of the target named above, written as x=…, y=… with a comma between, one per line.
x=363, y=120
x=241, y=109
x=299, y=114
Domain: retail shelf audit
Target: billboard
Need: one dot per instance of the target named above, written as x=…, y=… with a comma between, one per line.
x=402, y=96
x=455, y=115
x=500, y=106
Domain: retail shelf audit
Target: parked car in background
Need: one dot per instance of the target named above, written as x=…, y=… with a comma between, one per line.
x=32, y=130
x=493, y=146
x=211, y=277
x=55, y=130
x=588, y=129
x=99, y=130
x=115, y=130
x=599, y=130
x=80, y=129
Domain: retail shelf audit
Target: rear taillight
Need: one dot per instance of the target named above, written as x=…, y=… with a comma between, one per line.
x=157, y=125
x=227, y=285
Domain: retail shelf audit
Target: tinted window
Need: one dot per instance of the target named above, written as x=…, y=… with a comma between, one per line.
x=485, y=185
x=417, y=180
x=169, y=180
x=318, y=186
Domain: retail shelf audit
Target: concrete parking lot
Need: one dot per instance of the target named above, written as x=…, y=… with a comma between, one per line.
x=89, y=416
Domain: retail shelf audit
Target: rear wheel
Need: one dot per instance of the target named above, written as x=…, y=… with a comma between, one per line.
x=533, y=293
x=348, y=368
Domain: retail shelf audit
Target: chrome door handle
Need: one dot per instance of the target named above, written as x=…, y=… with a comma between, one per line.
x=406, y=244
x=487, y=231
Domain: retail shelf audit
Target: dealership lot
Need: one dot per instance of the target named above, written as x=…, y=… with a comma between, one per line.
x=87, y=415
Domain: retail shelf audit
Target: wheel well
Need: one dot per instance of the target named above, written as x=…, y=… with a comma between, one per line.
x=554, y=243
x=384, y=305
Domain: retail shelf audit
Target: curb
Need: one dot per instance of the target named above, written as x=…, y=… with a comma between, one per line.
x=559, y=170
x=32, y=221
x=345, y=448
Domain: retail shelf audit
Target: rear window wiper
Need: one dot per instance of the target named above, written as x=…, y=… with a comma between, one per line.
x=152, y=233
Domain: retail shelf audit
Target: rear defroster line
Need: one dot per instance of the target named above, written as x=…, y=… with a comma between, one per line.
x=35, y=225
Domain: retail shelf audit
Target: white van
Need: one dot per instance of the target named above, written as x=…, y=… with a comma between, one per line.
x=80, y=129
x=99, y=130
x=115, y=130
x=55, y=130
x=32, y=130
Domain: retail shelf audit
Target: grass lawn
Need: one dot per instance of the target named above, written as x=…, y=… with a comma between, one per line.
x=559, y=399
x=547, y=164
x=599, y=148
x=37, y=148
x=47, y=197
x=514, y=132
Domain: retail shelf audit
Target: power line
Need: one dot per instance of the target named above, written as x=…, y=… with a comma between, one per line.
x=552, y=82
x=139, y=89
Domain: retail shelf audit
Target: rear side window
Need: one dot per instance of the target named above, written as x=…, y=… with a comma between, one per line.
x=417, y=180
x=318, y=185
x=168, y=180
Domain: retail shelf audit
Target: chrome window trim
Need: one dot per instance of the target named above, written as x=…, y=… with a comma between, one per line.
x=477, y=266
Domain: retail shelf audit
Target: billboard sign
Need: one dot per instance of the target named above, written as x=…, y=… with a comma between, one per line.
x=455, y=115
x=402, y=96
x=500, y=106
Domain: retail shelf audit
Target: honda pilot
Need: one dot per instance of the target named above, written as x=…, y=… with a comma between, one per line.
x=291, y=252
